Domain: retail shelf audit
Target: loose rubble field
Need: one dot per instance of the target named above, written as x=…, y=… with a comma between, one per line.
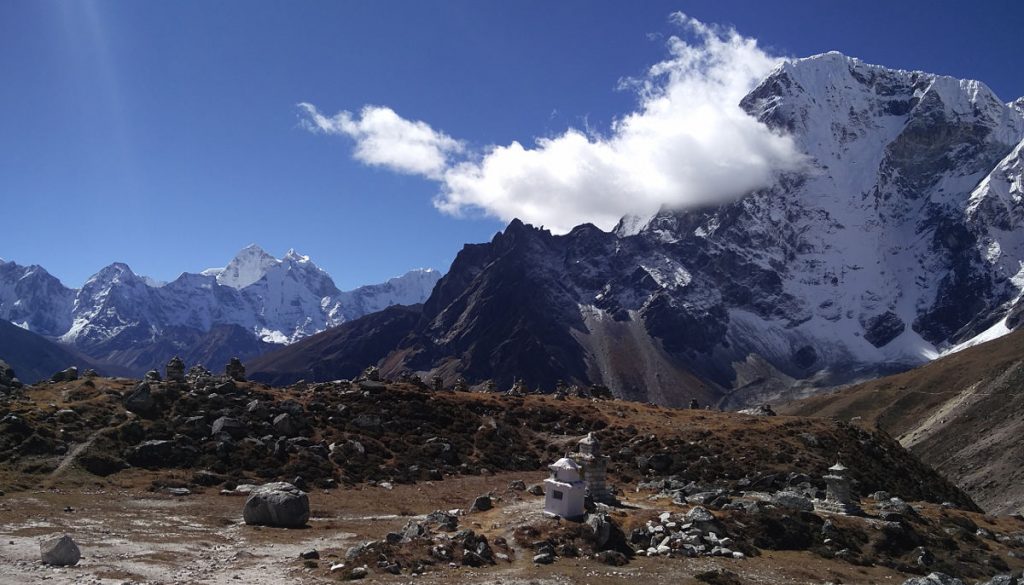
x=149, y=478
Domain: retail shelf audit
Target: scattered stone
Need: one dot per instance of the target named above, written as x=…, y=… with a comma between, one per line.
x=152, y=376
x=934, y=579
x=535, y=490
x=358, y=573
x=178, y=491
x=310, y=554
x=60, y=552
x=277, y=504
x=516, y=485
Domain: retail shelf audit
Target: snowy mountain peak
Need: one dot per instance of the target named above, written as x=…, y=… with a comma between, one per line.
x=1018, y=105
x=294, y=256
x=247, y=267
x=118, y=272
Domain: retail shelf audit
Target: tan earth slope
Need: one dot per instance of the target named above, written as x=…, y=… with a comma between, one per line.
x=962, y=414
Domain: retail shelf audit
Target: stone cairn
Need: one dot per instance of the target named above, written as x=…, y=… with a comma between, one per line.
x=517, y=389
x=461, y=385
x=235, y=370
x=175, y=370
x=437, y=382
x=371, y=374
x=595, y=469
x=837, y=493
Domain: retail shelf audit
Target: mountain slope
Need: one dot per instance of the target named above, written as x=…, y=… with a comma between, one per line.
x=897, y=241
x=34, y=357
x=962, y=414
x=342, y=352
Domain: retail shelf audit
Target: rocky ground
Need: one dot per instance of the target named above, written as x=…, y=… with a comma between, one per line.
x=129, y=534
x=148, y=478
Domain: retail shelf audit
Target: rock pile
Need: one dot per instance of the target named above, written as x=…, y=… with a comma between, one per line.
x=235, y=370
x=696, y=533
x=418, y=546
x=175, y=370
x=8, y=379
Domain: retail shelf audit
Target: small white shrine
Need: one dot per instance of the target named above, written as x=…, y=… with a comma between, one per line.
x=565, y=490
x=838, y=498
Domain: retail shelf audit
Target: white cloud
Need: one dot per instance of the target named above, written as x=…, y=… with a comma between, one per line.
x=385, y=139
x=688, y=142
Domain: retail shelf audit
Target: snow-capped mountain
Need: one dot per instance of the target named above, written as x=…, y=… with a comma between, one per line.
x=130, y=320
x=900, y=239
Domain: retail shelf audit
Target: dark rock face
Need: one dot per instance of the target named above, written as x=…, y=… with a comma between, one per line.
x=881, y=329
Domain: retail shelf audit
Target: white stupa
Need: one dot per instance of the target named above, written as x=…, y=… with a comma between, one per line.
x=565, y=490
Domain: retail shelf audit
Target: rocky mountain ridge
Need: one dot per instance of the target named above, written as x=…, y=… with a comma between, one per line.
x=245, y=308
x=898, y=241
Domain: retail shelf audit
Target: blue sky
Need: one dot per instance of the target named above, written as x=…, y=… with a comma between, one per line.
x=168, y=136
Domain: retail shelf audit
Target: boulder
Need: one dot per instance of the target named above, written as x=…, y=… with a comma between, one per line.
x=544, y=558
x=287, y=425
x=482, y=504
x=597, y=528
x=231, y=426
x=61, y=551
x=141, y=401
x=68, y=375
x=793, y=501
x=277, y=504
x=699, y=514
